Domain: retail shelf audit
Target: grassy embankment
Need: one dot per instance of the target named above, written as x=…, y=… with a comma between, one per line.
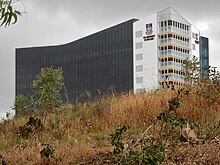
x=80, y=133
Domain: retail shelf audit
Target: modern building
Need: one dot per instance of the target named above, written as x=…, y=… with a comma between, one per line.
x=95, y=64
x=162, y=42
x=133, y=55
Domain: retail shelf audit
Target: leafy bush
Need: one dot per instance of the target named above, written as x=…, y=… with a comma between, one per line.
x=151, y=151
x=21, y=105
x=116, y=139
x=47, y=150
x=33, y=126
x=48, y=85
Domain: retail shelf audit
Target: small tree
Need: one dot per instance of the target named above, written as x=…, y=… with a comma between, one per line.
x=21, y=105
x=191, y=70
x=47, y=87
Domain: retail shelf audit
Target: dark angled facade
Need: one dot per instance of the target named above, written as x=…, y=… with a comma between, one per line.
x=97, y=63
x=204, y=54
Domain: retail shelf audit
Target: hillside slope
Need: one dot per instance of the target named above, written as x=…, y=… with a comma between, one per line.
x=80, y=133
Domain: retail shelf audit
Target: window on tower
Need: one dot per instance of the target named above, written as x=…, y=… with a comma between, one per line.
x=169, y=22
x=165, y=23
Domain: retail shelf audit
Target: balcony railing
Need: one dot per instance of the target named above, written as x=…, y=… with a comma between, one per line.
x=174, y=41
x=171, y=76
x=173, y=53
x=170, y=64
x=176, y=30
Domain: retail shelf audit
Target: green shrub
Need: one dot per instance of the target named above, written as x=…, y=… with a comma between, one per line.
x=47, y=86
x=21, y=105
x=33, y=126
x=47, y=150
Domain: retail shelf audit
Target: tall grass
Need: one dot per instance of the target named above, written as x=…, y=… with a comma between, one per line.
x=82, y=130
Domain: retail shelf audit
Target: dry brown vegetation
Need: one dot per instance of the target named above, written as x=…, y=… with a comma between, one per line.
x=79, y=133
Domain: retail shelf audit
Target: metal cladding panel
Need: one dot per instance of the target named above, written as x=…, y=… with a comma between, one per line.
x=101, y=62
x=204, y=54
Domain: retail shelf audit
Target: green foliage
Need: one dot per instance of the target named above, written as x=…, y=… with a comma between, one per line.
x=208, y=84
x=174, y=103
x=151, y=149
x=33, y=126
x=57, y=135
x=209, y=87
x=54, y=121
x=191, y=70
x=48, y=85
x=8, y=14
x=21, y=105
x=116, y=138
x=47, y=150
x=170, y=124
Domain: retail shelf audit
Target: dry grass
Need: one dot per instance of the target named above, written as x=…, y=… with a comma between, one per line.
x=79, y=131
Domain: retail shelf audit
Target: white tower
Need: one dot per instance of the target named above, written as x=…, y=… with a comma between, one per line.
x=161, y=42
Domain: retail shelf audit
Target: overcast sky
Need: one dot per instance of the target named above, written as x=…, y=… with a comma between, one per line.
x=49, y=22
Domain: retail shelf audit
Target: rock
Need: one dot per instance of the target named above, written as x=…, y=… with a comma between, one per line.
x=187, y=135
x=126, y=147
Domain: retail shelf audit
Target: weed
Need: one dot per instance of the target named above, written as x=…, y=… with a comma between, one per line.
x=33, y=126
x=2, y=161
x=57, y=135
x=47, y=150
x=116, y=139
x=151, y=150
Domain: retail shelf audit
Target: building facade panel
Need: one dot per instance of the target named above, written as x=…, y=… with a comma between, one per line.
x=148, y=28
x=204, y=55
x=97, y=63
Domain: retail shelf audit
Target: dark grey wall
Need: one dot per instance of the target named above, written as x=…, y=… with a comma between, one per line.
x=100, y=62
x=204, y=54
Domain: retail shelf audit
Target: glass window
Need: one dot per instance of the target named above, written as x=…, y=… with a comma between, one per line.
x=139, y=45
x=161, y=24
x=139, y=56
x=193, y=46
x=197, y=36
x=139, y=80
x=194, y=35
x=138, y=34
x=139, y=68
x=187, y=28
x=169, y=22
x=165, y=23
